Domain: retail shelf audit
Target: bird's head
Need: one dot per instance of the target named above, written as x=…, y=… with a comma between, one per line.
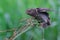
x=31, y=12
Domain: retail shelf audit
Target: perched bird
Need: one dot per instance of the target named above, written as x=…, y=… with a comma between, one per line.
x=41, y=15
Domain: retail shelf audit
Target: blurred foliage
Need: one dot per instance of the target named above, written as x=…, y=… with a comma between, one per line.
x=12, y=11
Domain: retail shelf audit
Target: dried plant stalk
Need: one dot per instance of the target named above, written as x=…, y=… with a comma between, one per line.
x=22, y=29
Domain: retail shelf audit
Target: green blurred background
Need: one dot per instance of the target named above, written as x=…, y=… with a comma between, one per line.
x=12, y=11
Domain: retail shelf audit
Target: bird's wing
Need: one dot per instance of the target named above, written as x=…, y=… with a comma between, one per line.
x=44, y=17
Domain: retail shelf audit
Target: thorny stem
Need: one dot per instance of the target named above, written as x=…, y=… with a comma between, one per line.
x=21, y=33
x=22, y=30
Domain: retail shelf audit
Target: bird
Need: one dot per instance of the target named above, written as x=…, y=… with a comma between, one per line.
x=41, y=15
